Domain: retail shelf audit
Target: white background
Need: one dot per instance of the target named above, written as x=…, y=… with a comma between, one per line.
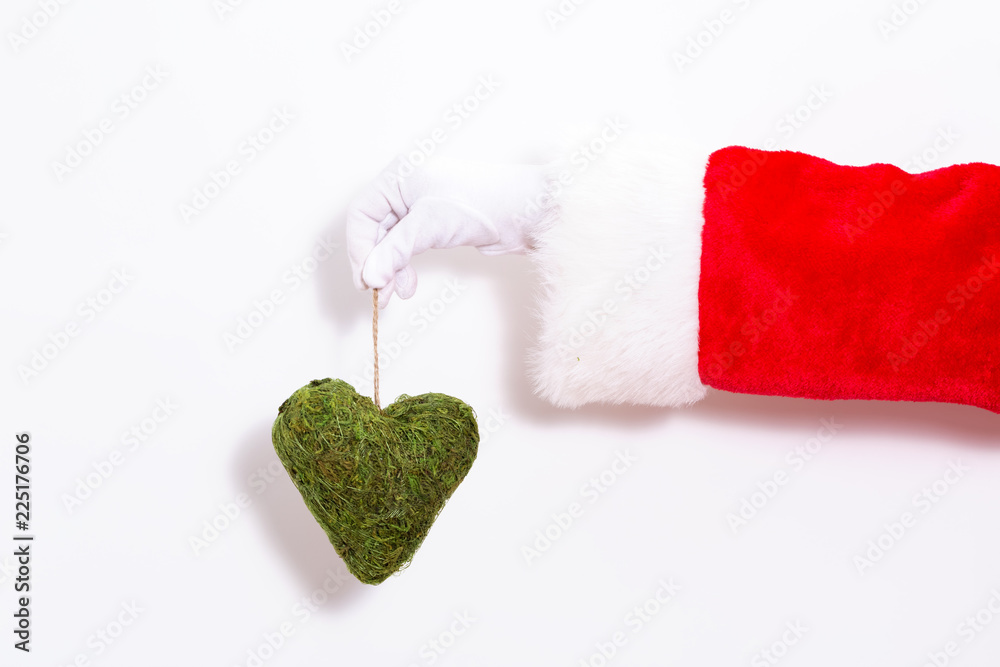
x=163, y=337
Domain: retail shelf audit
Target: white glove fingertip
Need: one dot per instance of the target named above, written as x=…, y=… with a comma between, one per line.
x=406, y=282
x=385, y=293
x=373, y=274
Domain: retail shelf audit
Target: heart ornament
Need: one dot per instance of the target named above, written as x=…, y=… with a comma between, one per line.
x=375, y=479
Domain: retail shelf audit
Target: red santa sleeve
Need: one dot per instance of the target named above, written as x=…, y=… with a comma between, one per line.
x=667, y=270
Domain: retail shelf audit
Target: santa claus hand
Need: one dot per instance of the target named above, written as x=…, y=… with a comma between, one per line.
x=443, y=204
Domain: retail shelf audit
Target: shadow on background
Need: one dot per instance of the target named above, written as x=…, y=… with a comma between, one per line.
x=293, y=531
x=958, y=424
x=339, y=300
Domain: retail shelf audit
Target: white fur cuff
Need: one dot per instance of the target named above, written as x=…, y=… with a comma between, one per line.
x=619, y=256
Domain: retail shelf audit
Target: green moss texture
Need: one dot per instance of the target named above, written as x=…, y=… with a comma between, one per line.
x=375, y=480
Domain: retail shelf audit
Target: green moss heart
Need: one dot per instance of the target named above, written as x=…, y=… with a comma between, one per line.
x=375, y=480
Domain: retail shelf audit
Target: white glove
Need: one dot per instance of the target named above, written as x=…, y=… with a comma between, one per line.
x=442, y=204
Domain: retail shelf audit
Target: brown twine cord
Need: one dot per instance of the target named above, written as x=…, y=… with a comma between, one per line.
x=375, y=341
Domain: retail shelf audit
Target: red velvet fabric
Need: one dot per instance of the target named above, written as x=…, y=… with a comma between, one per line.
x=827, y=281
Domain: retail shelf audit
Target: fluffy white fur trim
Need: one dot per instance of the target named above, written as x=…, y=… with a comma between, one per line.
x=618, y=255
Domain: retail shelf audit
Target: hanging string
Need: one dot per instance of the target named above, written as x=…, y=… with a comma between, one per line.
x=375, y=341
